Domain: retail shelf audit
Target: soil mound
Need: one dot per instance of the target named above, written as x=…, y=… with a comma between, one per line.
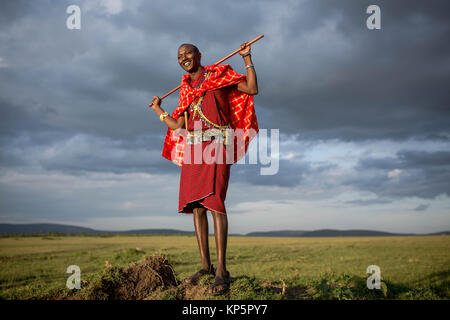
x=151, y=279
x=136, y=282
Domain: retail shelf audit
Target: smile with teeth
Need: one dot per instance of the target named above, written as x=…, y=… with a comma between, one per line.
x=187, y=63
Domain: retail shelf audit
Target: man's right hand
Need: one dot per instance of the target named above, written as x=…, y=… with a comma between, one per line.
x=156, y=103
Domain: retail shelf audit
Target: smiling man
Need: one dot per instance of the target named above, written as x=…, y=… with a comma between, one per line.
x=215, y=99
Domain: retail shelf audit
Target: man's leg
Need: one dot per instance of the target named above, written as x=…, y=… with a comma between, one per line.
x=222, y=279
x=221, y=234
x=201, y=231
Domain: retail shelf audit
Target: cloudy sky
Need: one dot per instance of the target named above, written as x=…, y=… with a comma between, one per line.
x=363, y=115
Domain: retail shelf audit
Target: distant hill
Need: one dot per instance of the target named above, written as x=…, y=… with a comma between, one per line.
x=334, y=233
x=67, y=229
x=279, y=233
x=46, y=228
x=322, y=233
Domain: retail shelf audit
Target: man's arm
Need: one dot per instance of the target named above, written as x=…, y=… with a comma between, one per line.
x=251, y=85
x=168, y=120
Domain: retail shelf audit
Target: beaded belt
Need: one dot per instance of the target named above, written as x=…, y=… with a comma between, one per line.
x=220, y=135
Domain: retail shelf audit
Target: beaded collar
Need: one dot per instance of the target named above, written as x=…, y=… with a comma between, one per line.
x=202, y=74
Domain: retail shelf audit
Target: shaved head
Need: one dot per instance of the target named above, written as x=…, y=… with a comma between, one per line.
x=190, y=45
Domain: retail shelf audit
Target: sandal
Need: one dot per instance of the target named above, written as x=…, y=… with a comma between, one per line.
x=199, y=274
x=220, y=283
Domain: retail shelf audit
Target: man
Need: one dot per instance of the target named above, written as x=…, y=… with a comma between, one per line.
x=212, y=98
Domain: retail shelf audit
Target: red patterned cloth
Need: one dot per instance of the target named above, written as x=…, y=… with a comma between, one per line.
x=205, y=184
x=241, y=111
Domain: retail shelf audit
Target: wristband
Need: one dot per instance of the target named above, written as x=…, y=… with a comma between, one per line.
x=163, y=115
x=249, y=66
x=246, y=54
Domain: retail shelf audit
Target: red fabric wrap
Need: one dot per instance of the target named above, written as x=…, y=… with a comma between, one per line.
x=242, y=111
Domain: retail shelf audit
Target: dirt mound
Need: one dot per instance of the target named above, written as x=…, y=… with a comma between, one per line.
x=152, y=278
x=183, y=291
x=136, y=282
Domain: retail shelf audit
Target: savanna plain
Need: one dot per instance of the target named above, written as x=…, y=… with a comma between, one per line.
x=412, y=267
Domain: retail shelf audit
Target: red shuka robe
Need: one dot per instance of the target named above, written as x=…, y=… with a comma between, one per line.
x=205, y=185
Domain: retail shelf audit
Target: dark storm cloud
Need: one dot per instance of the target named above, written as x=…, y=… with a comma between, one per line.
x=421, y=207
x=353, y=83
x=289, y=174
x=12, y=10
x=318, y=62
x=368, y=202
x=321, y=72
x=409, y=160
x=79, y=154
x=410, y=174
x=108, y=157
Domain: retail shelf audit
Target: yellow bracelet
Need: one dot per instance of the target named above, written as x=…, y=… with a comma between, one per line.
x=163, y=115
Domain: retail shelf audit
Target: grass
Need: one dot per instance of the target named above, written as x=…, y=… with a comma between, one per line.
x=261, y=268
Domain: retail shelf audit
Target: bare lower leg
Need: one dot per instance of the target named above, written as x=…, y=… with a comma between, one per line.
x=220, y=235
x=201, y=231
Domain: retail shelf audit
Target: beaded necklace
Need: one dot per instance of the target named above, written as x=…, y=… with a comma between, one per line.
x=196, y=107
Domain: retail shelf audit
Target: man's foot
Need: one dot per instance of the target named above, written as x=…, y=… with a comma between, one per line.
x=199, y=274
x=220, y=285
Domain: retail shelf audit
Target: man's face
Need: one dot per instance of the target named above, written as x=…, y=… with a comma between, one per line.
x=189, y=58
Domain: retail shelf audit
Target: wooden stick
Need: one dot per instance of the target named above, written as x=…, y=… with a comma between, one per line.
x=218, y=62
x=185, y=119
x=236, y=51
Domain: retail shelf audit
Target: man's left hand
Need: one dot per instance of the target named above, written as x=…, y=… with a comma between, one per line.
x=244, y=49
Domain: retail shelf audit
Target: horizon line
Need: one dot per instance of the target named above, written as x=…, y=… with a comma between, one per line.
x=250, y=232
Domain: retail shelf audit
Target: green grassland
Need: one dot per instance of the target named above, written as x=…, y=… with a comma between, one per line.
x=261, y=268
